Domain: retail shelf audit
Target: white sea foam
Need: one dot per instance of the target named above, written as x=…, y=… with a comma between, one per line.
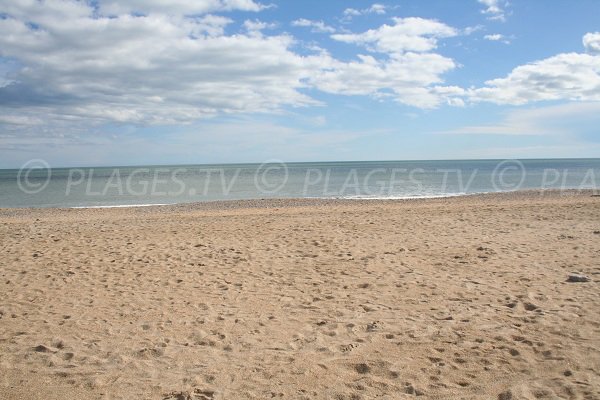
x=407, y=197
x=125, y=205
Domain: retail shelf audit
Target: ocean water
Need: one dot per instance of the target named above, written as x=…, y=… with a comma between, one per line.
x=39, y=185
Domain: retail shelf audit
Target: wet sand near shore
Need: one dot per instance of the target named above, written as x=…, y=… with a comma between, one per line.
x=462, y=297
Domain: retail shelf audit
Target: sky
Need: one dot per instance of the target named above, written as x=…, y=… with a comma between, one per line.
x=140, y=82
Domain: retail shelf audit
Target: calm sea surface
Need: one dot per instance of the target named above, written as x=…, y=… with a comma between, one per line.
x=37, y=185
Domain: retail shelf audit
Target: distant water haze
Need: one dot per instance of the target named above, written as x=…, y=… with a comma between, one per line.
x=38, y=185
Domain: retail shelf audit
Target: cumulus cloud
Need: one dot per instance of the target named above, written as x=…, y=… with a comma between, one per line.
x=407, y=34
x=352, y=12
x=410, y=72
x=410, y=79
x=255, y=28
x=315, y=26
x=591, y=42
x=142, y=69
x=493, y=37
x=497, y=37
x=567, y=76
x=493, y=9
x=177, y=7
x=171, y=69
x=212, y=25
x=375, y=8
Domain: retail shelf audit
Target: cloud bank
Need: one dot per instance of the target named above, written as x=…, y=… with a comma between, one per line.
x=567, y=76
x=76, y=64
x=136, y=62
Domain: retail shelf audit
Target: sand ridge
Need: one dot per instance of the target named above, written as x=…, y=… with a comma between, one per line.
x=436, y=299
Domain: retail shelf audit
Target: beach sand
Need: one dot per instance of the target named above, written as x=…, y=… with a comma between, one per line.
x=459, y=298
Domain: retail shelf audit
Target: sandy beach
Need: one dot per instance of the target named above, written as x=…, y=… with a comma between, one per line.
x=457, y=298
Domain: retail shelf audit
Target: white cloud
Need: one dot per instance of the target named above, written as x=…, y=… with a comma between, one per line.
x=20, y=120
x=315, y=26
x=493, y=37
x=591, y=42
x=175, y=7
x=406, y=78
x=148, y=69
x=352, y=12
x=411, y=72
x=212, y=25
x=84, y=68
x=567, y=76
x=472, y=29
x=255, y=27
x=407, y=34
x=375, y=8
x=80, y=67
x=497, y=37
x=494, y=10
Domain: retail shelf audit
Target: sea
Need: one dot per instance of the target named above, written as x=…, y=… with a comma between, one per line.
x=37, y=184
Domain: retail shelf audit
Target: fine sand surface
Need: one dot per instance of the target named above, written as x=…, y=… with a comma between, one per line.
x=462, y=298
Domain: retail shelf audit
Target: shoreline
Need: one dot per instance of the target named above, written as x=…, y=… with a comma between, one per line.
x=317, y=201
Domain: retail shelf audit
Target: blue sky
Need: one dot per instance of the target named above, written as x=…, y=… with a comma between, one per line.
x=215, y=81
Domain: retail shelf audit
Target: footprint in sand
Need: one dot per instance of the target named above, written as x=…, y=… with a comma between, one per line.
x=362, y=368
x=348, y=347
x=197, y=394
